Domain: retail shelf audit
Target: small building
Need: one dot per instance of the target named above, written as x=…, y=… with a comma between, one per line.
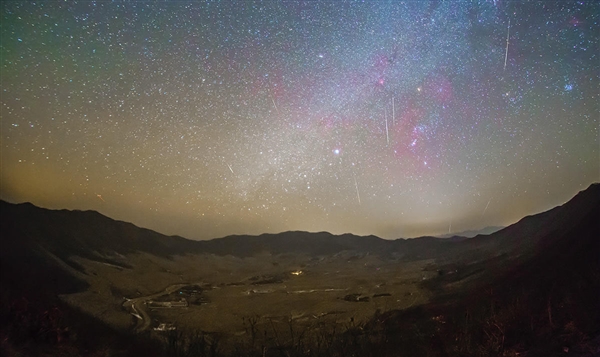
x=165, y=327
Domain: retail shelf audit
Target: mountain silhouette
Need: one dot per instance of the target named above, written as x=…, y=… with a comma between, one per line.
x=38, y=240
x=471, y=233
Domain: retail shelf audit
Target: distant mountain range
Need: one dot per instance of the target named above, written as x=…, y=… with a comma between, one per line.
x=34, y=239
x=472, y=233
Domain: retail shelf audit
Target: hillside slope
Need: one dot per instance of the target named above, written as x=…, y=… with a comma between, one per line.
x=51, y=238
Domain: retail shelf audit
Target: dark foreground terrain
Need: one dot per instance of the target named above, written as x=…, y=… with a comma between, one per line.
x=78, y=283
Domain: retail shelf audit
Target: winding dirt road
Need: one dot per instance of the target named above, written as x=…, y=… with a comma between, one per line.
x=137, y=307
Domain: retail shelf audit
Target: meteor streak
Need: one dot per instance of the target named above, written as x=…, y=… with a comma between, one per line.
x=387, y=134
x=275, y=105
x=506, y=52
x=357, y=194
x=486, y=206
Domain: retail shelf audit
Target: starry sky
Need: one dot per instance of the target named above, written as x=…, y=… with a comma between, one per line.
x=205, y=119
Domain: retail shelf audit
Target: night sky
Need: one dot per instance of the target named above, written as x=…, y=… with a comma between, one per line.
x=385, y=118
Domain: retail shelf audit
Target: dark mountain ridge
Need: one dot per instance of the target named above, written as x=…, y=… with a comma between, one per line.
x=471, y=233
x=293, y=242
x=52, y=237
x=545, y=303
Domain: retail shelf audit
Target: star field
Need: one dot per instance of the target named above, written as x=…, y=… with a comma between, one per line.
x=205, y=119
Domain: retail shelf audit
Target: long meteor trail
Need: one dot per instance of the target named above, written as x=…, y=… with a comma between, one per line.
x=486, y=206
x=357, y=194
x=506, y=52
x=387, y=134
x=275, y=105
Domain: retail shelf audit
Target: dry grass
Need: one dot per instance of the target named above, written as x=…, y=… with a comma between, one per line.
x=315, y=296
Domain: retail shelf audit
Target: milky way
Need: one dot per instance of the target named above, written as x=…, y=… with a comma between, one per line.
x=205, y=119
